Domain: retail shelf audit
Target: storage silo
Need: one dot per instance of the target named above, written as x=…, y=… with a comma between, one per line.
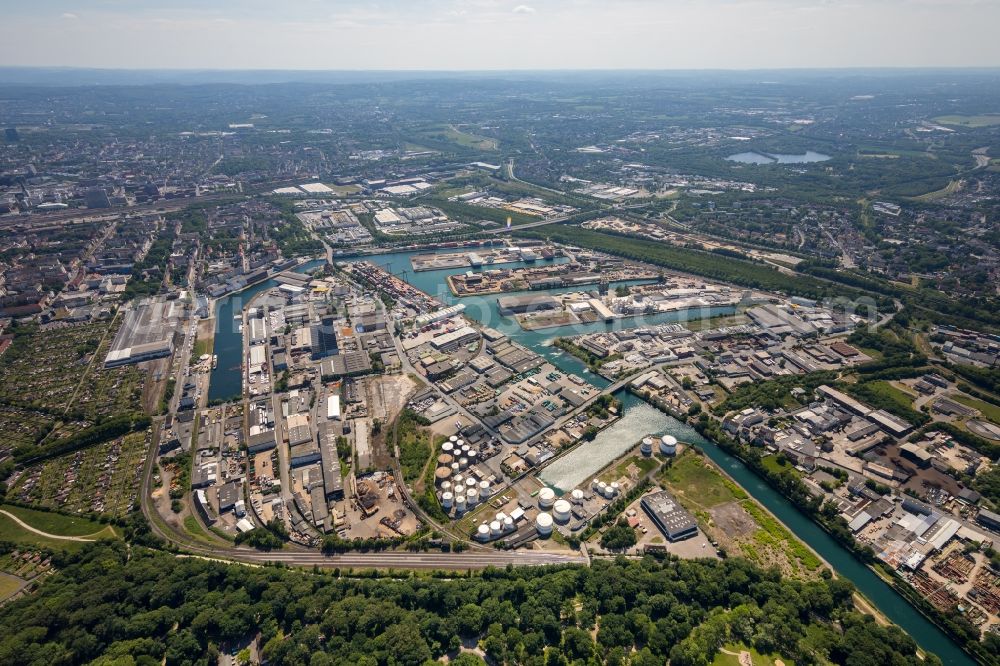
x=543, y=523
x=546, y=496
x=561, y=511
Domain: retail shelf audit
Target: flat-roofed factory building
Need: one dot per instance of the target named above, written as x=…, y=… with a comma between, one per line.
x=670, y=517
x=147, y=333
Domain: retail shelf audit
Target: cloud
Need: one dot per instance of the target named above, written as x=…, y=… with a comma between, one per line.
x=524, y=9
x=70, y=16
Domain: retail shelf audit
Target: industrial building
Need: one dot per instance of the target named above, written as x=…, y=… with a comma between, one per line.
x=670, y=517
x=147, y=333
x=520, y=304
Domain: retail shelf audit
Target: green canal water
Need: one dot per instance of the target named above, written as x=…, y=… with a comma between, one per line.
x=639, y=419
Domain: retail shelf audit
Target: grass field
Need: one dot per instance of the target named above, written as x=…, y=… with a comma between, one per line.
x=984, y=120
x=898, y=396
x=698, y=482
x=952, y=187
x=53, y=524
x=8, y=586
x=756, y=658
x=644, y=464
x=991, y=412
x=56, y=523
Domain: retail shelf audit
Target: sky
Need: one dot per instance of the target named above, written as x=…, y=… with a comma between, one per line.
x=499, y=34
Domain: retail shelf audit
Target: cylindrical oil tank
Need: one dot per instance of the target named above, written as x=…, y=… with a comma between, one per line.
x=454, y=468
x=445, y=460
x=543, y=523
x=546, y=496
x=447, y=499
x=647, y=446
x=508, y=524
x=483, y=532
x=614, y=488
x=668, y=445
x=460, y=501
x=596, y=485
x=445, y=486
x=442, y=473
x=463, y=463
x=561, y=510
x=495, y=528
x=448, y=448
x=472, y=497
x=453, y=439
x=484, y=487
x=577, y=495
x=471, y=482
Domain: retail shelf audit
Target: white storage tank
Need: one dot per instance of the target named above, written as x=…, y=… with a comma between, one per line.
x=472, y=456
x=647, y=446
x=484, y=488
x=546, y=496
x=470, y=482
x=561, y=510
x=577, y=495
x=460, y=502
x=495, y=528
x=596, y=485
x=459, y=481
x=463, y=463
x=614, y=488
x=543, y=523
x=454, y=468
x=508, y=524
x=602, y=488
x=447, y=499
x=448, y=448
x=472, y=497
x=445, y=486
x=453, y=439
x=668, y=445
x=459, y=443
x=483, y=532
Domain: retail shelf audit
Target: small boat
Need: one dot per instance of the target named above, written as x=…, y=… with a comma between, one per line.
x=215, y=361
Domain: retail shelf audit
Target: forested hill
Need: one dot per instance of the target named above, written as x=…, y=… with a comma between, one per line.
x=109, y=606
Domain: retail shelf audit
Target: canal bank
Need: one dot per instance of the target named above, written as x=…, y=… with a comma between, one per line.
x=227, y=377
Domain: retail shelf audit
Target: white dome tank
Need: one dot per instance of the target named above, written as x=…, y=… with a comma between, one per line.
x=459, y=443
x=445, y=486
x=447, y=499
x=453, y=439
x=483, y=532
x=495, y=528
x=463, y=463
x=484, y=487
x=472, y=497
x=647, y=446
x=577, y=494
x=561, y=510
x=546, y=496
x=543, y=523
x=668, y=445
x=470, y=482
x=596, y=484
x=472, y=456
x=460, y=502
x=508, y=524
x=459, y=481
x=602, y=488
x=614, y=488
x=448, y=448
x=454, y=468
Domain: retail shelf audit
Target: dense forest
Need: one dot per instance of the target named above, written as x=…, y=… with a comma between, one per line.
x=115, y=604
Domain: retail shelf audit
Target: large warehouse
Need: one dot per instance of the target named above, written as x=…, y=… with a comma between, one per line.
x=670, y=517
x=146, y=334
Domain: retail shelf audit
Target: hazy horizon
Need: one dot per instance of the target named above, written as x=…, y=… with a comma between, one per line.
x=503, y=35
